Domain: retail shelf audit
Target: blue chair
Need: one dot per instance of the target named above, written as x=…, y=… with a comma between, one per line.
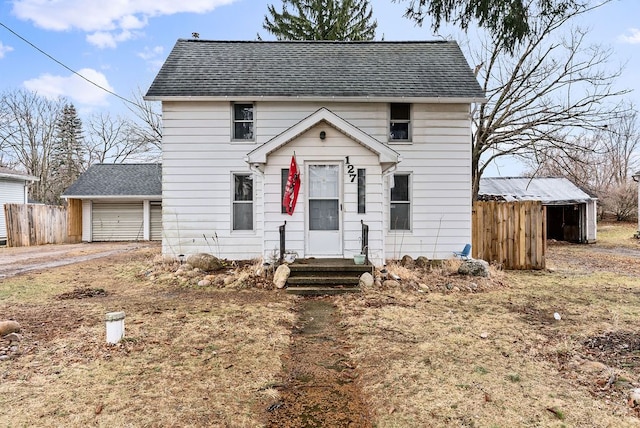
x=464, y=254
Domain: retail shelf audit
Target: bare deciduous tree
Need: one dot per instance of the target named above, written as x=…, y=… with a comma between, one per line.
x=551, y=86
x=602, y=163
x=148, y=127
x=116, y=140
x=27, y=135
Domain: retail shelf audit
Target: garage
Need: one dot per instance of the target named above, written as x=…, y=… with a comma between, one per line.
x=117, y=221
x=120, y=202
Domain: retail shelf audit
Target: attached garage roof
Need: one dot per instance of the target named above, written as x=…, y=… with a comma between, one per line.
x=118, y=181
x=548, y=190
x=435, y=70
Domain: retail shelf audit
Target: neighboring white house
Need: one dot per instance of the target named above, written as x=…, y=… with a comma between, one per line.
x=381, y=132
x=13, y=190
x=571, y=212
x=120, y=202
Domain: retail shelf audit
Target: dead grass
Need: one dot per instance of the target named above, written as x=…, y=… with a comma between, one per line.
x=191, y=357
x=500, y=358
x=434, y=350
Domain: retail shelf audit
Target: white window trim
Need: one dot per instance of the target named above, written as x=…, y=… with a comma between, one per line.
x=234, y=121
x=410, y=202
x=410, y=128
x=232, y=203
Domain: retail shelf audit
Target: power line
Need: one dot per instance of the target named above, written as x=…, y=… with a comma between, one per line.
x=69, y=68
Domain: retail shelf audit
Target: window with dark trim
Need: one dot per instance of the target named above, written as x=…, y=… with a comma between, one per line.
x=284, y=176
x=400, y=206
x=242, y=202
x=362, y=190
x=400, y=122
x=242, y=121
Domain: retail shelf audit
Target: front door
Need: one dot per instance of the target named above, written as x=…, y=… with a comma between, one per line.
x=324, y=220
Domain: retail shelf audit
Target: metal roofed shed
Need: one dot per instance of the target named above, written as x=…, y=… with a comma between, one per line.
x=571, y=212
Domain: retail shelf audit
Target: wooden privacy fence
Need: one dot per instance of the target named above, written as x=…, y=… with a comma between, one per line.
x=30, y=224
x=512, y=234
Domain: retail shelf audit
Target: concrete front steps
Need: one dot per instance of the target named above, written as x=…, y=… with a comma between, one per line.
x=325, y=276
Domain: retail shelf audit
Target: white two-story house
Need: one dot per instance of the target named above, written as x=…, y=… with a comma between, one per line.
x=381, y=134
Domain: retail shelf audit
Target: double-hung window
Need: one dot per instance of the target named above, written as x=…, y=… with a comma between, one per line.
x=400, y=122
x=400, y=206
x=243, y=121
x=242, y=202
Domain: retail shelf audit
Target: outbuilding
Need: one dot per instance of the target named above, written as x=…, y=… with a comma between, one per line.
x=120, y=202
x=571, y=212
x=13, y=190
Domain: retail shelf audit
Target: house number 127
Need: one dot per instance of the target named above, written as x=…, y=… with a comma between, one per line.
x=351, y=170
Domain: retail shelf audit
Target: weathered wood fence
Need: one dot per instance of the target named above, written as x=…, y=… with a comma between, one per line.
x=31, y=224
x=512, y=234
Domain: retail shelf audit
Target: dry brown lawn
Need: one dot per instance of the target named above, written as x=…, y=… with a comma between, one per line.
x=465, y=353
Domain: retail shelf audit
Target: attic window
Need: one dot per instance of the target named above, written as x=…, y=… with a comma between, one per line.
x=400, y=121
x=242, y=121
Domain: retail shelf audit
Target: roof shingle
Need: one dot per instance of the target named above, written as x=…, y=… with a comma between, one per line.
x=118, y=180
x=432, y=69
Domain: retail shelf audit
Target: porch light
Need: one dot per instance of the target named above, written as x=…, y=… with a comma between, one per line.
x=323, y=135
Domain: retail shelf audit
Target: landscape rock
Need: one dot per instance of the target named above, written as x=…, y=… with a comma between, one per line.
x=634, y=397
x=366, y=280
x=422, y=262
x=13, y=337
x=474, y=268
x=423, y=287
x=406, y=261
x=7, y=327
x=391, y=283
x=281, y=276
x=204, y=283
x=205, y=262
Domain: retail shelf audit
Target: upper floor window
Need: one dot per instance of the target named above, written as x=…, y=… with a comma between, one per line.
x=400, y=122
x=242, y=121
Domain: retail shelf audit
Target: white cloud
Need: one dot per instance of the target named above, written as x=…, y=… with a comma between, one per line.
x=73, y=87
x=154, y=57
x=633, y=39
x=4, y=50
x=115, y=18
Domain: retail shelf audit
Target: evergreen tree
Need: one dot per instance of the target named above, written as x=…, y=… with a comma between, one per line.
x=322, y=20
x=67, y=155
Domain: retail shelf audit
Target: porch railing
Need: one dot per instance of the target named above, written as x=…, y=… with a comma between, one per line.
x=282, y=230
x=365, y=241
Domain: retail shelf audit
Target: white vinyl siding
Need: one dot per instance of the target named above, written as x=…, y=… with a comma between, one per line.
x=439, y=160
x=117, y=221
x=11, y=192
x=199, y=157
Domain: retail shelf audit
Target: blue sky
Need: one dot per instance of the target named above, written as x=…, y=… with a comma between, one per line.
x=121, y=44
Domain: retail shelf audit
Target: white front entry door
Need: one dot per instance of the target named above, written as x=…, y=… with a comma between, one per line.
x=324, y=208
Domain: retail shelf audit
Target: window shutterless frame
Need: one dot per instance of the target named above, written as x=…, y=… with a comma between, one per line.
x=242, y=204
x=243, y=121
x=400, y=203
x=399, y=122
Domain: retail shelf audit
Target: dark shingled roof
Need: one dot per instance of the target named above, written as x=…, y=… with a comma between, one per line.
x=429, y=69
x=118, y=180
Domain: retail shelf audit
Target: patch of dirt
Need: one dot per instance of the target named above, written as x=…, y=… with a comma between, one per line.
x=83, y=293
x=616, y=348
x=320, y=388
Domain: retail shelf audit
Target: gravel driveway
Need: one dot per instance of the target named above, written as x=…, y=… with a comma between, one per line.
x=14, y=261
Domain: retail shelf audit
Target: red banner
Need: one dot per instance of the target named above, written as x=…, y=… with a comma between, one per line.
x=292, y=188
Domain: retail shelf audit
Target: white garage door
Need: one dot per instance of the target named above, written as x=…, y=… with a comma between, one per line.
x=117, y=222
x=156, y=221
